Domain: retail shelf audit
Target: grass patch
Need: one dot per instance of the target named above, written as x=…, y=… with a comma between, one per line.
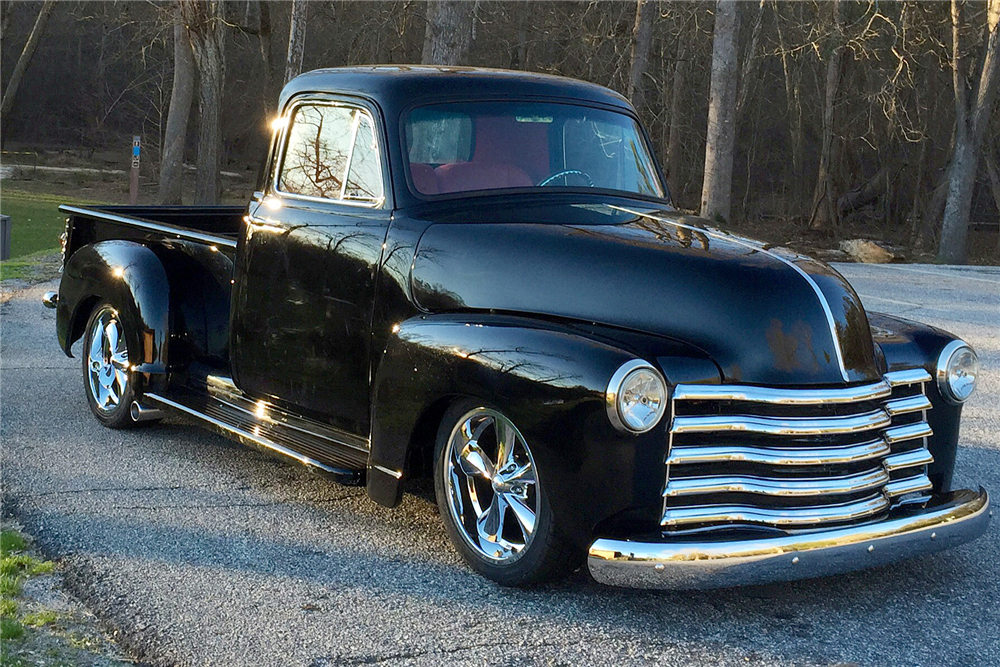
x=12, y=541
x=8, y=608
x=10, y=629
x=35, y=219
x=40, y=618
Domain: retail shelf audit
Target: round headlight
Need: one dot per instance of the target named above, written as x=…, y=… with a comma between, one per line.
x=957, y=369
x=636, y=397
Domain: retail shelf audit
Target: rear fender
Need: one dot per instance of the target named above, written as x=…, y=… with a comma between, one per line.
x=131, y=278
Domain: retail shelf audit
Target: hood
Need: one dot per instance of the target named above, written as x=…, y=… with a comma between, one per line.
x=766, y=315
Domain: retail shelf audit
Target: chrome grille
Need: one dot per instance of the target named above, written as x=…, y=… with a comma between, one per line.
x=793, y=458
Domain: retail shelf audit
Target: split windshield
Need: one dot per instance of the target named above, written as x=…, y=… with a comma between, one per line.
x=478, y=146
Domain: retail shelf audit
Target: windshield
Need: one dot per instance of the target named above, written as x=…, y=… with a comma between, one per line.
x=494, y=145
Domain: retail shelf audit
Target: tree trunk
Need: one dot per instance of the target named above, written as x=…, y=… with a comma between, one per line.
x=674, y=161
x=824, y=209
x=793, y=103
x=448, y=35
x=642, y=39
x=993, y=172
x=5, y=11
x=296, y=39
x=716, y=191
x=748, y=74
x=175, y=135
x=205, y=23
x=22, y=63
x=971, y=118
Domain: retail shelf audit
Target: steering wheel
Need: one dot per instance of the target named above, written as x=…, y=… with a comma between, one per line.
x=568, y=172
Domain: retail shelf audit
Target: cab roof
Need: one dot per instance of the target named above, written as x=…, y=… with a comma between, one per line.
x=396, y=86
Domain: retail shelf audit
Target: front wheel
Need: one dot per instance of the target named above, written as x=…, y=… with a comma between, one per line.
x=108, y=380
x=490, y=495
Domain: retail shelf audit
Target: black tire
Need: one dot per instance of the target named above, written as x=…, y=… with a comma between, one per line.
x=546, y=556
x=113, y=414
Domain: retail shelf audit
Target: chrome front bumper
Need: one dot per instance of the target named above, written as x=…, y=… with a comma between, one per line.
x=948, y=520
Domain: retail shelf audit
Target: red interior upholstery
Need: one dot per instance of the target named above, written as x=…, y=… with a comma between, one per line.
x=507, y=154
x=462, y=176
x=423, y=178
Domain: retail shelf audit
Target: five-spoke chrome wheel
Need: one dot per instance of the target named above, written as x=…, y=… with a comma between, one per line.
x=491, y=485
x=107, y=360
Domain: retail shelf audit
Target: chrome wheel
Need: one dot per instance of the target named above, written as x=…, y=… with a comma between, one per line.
x=107, y=361
x=491, y=486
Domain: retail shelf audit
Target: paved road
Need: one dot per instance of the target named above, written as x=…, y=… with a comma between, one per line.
x=200, y=552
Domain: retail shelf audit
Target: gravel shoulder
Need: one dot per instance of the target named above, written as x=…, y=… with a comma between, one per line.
x=199, y=552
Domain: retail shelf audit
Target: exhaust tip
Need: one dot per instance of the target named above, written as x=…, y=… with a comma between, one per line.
x=141, y=414
x=50, y=299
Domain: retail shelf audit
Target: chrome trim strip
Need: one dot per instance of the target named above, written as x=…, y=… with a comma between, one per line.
x=152, y=226
x=784, y=260
x=899, y=434
x=243, y=435
x=780, y=487
x=779, y=456
x=782, y=425
x=784, y=517
x=708, y=392
x=901, y=406
x=950, y=520
x=914, y=457
x=907, y=376
x=899, y=487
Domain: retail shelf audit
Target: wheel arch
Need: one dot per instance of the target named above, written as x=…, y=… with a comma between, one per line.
x=129, y=276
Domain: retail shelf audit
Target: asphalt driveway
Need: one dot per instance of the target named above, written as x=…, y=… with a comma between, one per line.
x=200, y=552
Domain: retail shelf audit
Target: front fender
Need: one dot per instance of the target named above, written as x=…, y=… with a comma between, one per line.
x=550, y=381
x=132, y=279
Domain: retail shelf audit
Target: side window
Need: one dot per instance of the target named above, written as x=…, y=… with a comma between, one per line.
x=325, y=143
x=364, y=180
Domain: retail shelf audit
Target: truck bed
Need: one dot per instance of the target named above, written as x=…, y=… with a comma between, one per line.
x=213, y=225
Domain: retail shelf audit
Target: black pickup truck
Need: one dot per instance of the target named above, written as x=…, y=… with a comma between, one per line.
x=477, y=276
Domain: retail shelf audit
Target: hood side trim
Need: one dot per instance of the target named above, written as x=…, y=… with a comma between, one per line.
x=784, y=260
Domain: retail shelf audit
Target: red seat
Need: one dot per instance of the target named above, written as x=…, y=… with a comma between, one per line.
x=464, y=176
x=423, y=177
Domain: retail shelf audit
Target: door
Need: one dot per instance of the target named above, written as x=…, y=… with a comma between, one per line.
x=305, y=278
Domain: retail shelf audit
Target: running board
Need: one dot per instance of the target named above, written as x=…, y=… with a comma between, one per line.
x=271, y=431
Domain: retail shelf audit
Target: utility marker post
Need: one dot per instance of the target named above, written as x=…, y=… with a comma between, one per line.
x=133, y=180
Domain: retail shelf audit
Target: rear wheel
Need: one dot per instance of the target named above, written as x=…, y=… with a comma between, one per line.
x=108, y=379
x=491, y=497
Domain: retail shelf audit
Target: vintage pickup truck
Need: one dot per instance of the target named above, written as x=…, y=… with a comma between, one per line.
x=477, y=275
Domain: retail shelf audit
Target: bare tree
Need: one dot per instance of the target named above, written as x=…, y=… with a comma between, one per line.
x=448, y=35
x=205, y=23
x=175, y=134
x=824, y=207
x=5, y=7
x=972, y=115
x=296, y=38
x=642, y=39
x=26, y=53
x=793, y=103
x=716, y=190
x=674, y=159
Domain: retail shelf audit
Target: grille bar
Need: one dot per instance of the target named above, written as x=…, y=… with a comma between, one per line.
x=780, y=456
x=770, y=486
x=785, y=457
x=783, y=425
x=914, y=457
x=901, y=487
x=680, y=517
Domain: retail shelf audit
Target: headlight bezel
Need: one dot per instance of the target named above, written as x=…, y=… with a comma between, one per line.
x=943, y=374
x=612, y=396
